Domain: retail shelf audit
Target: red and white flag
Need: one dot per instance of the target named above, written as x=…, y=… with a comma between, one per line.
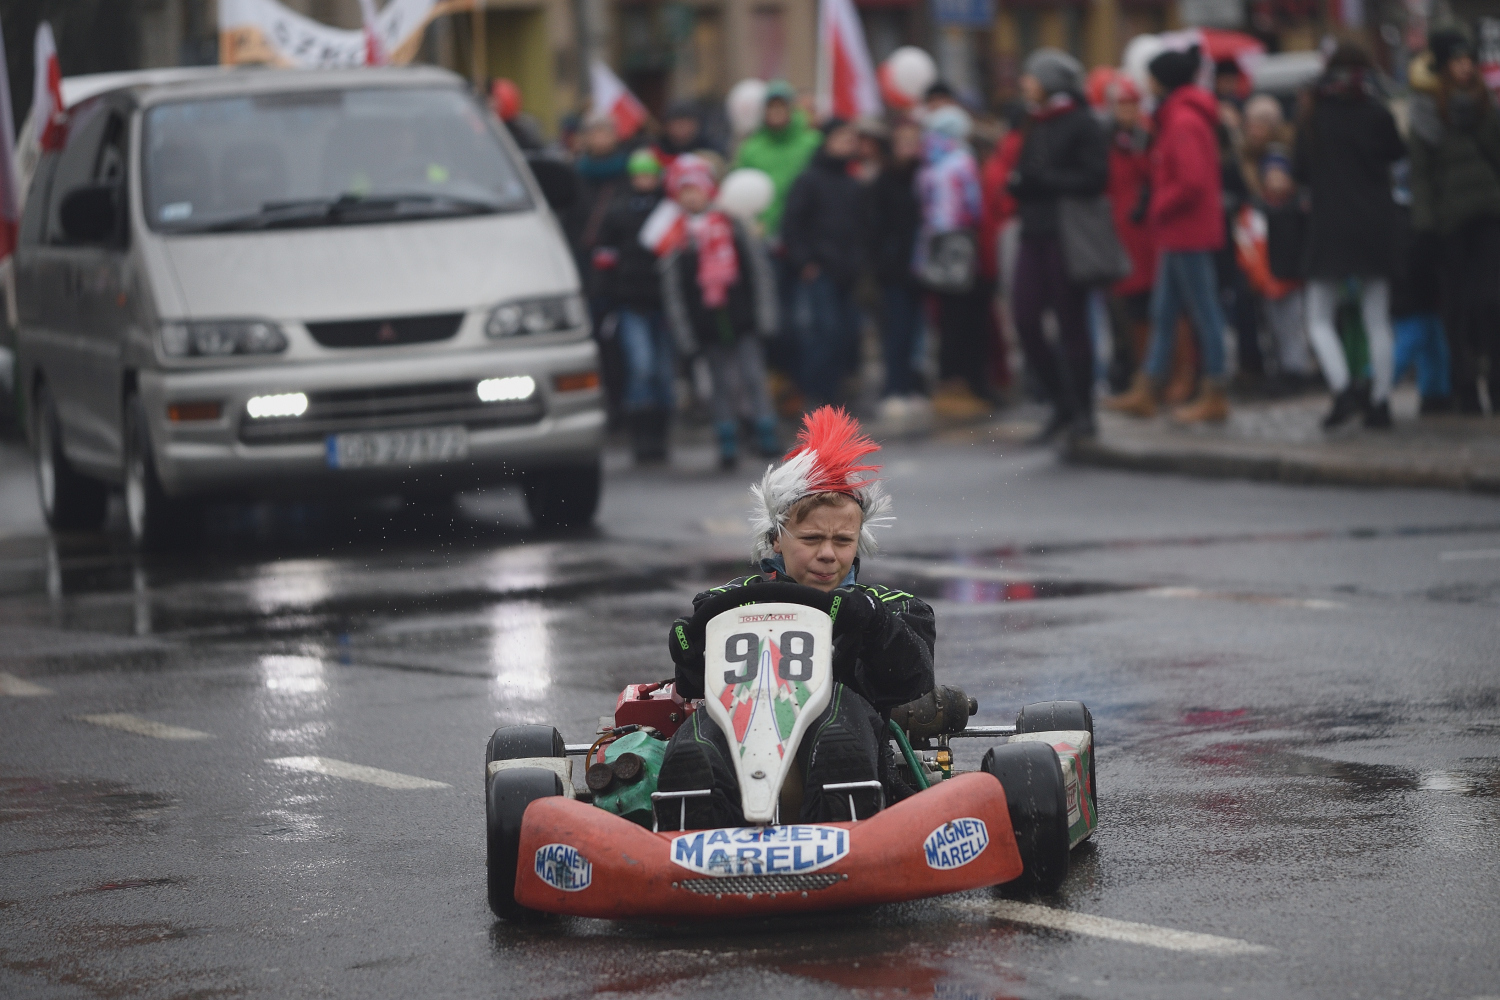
x=375, y=54
x=847, y=87
x=665, y=228
x=49, y=116
x=10, y=201
x=612, y=97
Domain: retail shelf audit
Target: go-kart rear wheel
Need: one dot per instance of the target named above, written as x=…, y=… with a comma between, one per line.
x=1050, y=716
x=1032, y=777
x=507, y=794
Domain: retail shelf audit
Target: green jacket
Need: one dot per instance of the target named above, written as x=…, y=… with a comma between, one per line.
x=1455, y=169
x=783, y=155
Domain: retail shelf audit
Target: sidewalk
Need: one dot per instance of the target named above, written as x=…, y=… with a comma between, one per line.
x=1282, y=441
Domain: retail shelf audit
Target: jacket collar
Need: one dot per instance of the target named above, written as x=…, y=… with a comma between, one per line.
x=774, y=568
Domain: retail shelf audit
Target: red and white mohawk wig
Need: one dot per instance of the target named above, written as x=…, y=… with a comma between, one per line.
x=825, y=460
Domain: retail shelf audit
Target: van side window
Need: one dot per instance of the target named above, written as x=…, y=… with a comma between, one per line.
x=87, y=125
x=34, y=215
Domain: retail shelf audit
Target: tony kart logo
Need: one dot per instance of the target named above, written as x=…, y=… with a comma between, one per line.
x=784, y=617
x=771, y=850
x=562, y=867
x=956, y=843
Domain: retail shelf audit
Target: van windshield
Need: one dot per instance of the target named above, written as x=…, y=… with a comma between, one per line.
x=323, y=158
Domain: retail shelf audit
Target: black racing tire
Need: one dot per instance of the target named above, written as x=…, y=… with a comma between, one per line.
x=566, y=497
x=70, y=501
x=1048, y=716
x=514, y=742
x=157, y=522
x=1032, y=777
x=506, y=796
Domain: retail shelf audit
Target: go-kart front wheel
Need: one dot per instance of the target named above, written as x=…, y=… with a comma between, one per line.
x=507, y=793
x=1049, y=716
x=1036, y=794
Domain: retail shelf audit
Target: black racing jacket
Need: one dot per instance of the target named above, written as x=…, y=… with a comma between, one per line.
x=888, y=664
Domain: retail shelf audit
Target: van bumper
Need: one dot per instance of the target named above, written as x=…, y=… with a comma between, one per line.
x=225, y=458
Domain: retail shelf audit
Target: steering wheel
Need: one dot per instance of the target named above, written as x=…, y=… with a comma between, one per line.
x=773, y=592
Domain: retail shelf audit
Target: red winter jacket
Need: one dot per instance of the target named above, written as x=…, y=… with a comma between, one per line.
x=999, y=206
x=1129, y=172
x=1187, y=211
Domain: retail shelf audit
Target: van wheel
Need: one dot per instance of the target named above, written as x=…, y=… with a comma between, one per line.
x=156, y=520
x=565, y=497
x=70, y=502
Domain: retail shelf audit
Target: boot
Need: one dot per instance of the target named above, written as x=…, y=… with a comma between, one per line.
x=1378, y=416
x=1211, y=406
x=658, y=432
x=1184, y=367
x=1345, y=405
x=729, y=445
x=765, y=438
x=1140, y=401
x=639, y=422
x=1061, y=420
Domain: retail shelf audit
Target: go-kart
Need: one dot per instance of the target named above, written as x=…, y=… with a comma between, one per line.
x=601, y=851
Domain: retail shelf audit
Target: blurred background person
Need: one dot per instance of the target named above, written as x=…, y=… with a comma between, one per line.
x=1346, y=144
x=627, y=279
x=1129, y=189
x=681, y=132
x=1064, y=154
x=1416, y=294
x=1281, y=297
x=719, y=299
x=1455, y=188
x=1186, y=216
x=948, y=188
x=824, y=230
x=895, y=219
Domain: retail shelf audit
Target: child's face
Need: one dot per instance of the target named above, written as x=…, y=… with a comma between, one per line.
x=693, y=199
x=643, y=182
x=1278, y=185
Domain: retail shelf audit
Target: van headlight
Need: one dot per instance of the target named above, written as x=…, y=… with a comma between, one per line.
x=221, y=339
x=553, y=314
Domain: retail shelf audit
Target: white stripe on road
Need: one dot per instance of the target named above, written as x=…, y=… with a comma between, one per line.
x=1107, y=927
x=356, y=772
x=1463, y=555
x=143, y=727
x=1196, y=593
x=15, y=687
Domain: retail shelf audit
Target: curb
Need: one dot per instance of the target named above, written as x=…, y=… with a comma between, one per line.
x=1281, y=467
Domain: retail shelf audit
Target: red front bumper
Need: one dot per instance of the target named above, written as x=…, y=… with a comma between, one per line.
x=580, y=860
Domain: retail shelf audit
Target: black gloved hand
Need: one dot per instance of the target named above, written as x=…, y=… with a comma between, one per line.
x=855, y=612
x=685, y=646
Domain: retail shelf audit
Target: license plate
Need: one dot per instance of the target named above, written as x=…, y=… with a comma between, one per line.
x=428, y=444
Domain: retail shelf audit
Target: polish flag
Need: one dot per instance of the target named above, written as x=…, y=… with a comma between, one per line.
x=375, y=54
x=612, y=97
x=10, y=202
x=847, y=87
x=49, y=116
x=665, y=228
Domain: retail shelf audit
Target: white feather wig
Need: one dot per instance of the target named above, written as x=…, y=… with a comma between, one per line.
x=825, y=460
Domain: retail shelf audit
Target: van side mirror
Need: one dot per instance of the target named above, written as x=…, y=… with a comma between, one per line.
x=90, y=214
x=558, y=182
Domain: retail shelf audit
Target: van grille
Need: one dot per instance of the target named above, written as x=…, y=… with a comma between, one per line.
x=390, y=408
x=391, y=332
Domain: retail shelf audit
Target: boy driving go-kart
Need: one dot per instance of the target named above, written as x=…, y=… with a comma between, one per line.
x=762, y=777
x=813, y=520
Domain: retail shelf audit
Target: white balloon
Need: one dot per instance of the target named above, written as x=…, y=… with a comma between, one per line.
x=746, y=104
x=912, y=71
x=746, y=193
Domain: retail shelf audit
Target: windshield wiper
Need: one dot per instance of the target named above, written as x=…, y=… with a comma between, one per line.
x=346, y=207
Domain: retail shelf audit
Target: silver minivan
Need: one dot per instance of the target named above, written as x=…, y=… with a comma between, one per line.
x=274, y=283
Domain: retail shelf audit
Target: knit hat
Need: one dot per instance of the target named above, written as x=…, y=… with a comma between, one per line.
x=951, y=121
x=642, y=161
x=1174, y=69
x=825, y=460
x=691, y=170
x=780, y=90
x=1448, y=44
x=1055, y=70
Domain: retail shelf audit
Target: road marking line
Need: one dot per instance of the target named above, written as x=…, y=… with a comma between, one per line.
x=143, y=727
x=356, y=772
x=15, y=687
x=1114, y=930
x=1465, y=554
x=1196, y=593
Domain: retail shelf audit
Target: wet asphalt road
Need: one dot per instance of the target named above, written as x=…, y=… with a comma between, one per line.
x=1295, y=690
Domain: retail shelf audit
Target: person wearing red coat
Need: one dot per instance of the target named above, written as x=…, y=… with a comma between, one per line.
x=1186, y=217
x=998, y=208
